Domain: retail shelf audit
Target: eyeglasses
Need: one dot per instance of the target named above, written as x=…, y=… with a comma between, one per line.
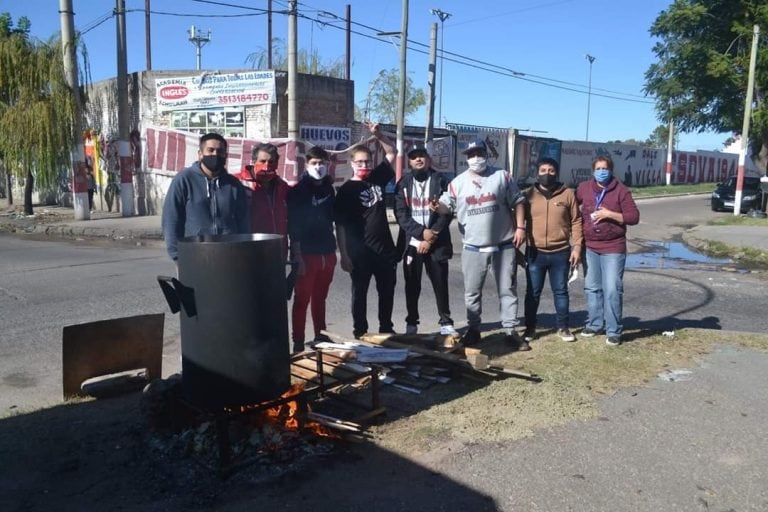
x=361, y=162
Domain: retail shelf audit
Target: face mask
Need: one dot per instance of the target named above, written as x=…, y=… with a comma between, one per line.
x=317, y=172
x=477, y=163
x=546, y=180
x=264, y=171
x=362, y=173
x=214, y=163
x=421, y=175
x=602, y=176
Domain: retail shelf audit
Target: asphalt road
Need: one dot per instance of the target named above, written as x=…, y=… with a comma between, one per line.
x=45, y=285
x=692, y=445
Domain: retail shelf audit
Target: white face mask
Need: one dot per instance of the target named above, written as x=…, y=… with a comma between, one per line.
x=476, y=163
x=317, y=172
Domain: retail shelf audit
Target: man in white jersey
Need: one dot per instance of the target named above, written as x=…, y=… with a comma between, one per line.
x=490, y=210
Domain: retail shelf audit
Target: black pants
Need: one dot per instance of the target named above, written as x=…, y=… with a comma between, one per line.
x=437, y=271
x=382, y=268
x=90, y=198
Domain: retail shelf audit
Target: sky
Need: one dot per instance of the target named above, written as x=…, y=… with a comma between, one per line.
x=508, y=64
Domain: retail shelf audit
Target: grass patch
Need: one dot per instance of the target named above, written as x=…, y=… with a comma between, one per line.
x=741, y=220
x=575, y=376
x=664, y=190
x=750, y=256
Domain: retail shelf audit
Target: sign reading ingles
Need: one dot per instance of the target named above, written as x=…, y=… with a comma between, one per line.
x=213, y=90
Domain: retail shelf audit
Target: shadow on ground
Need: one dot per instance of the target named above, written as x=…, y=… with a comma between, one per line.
x=96, y=456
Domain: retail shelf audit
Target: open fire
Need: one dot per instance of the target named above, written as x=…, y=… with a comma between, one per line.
x=292, y=413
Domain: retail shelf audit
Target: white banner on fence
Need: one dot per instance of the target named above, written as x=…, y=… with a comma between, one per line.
x=214, y=90
x=642, y=166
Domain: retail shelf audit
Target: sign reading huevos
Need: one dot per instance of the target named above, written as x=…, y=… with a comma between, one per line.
x=214, y=90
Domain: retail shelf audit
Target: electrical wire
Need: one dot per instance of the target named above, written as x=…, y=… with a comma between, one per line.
x=411, y=45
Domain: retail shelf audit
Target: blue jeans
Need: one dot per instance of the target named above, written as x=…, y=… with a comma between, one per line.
x=604, y=289
x=539, y=263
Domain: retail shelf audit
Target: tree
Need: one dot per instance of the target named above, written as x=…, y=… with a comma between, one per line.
x=37, y=109
x=659, y=137
x=307, y=62
x=700, y=79
x=383, y=93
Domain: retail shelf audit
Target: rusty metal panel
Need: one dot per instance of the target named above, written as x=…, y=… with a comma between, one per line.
x=111, y=346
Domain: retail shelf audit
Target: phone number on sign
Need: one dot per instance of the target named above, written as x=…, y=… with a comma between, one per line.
x=244, y=98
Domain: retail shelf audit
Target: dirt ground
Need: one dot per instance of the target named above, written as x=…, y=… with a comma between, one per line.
x=100, y=455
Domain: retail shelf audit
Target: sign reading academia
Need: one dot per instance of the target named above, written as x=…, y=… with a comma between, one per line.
x=214, y=90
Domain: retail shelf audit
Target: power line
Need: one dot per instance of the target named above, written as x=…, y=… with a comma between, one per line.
x=456, y=58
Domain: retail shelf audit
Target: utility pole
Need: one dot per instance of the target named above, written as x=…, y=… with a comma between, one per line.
x=747, y=116
x=670, y=148
x=428, y=136
x=123, y=116
x=401, y=97
x=348, y=59
x=147, y=35
x=198, y=39
x=79, y=178
x=269, y=34
x=443, y=16
x=293, y=120
x=591, y=60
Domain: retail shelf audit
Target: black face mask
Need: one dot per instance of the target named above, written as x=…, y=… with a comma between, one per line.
x=421, y=175
x=546, y=180
x=214, y=163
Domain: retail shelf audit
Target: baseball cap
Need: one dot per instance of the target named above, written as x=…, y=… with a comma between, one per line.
x=418, y=150
x=475, y=145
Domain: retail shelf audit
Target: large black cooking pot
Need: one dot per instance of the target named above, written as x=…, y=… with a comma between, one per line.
x=231, y=291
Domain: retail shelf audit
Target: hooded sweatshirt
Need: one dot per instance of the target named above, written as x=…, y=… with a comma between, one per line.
x=198, y=205
x=607, y=236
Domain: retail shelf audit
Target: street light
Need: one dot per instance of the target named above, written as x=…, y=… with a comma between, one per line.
x=443, y=16
x=591, y=59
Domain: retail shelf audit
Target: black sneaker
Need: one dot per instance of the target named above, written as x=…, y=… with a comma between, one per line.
x=565, y=334
x=529, y=334
x=322, y=338
x=613, y=341
x=471, y=337
x=588, y=333
x=513, y=339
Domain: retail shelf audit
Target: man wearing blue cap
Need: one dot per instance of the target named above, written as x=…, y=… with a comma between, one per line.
x=490, y=210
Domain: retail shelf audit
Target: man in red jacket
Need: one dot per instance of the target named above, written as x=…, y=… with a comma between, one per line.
x=607, y=208
x=267, y=193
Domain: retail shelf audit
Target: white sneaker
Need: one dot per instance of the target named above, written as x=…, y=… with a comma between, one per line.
x=448, y=330
x=411, y=329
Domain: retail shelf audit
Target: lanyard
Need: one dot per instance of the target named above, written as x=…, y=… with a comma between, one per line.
x=599, y=198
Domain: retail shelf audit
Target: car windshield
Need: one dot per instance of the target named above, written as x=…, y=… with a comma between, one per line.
x=749, y=182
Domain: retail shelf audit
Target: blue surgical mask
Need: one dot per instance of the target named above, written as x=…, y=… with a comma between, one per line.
x=602, y=176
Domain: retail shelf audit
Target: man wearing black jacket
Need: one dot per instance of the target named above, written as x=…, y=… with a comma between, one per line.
x=424, y=239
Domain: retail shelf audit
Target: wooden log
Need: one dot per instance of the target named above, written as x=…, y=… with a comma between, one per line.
x=331, y=422
x=478, y=361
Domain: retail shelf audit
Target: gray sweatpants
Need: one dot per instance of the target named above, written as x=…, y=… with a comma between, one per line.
x=475, y=266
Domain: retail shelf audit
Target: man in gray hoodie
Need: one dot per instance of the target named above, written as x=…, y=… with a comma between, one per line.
x=204, y=199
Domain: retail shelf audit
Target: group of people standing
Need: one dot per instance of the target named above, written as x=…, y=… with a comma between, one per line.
x=560, y=229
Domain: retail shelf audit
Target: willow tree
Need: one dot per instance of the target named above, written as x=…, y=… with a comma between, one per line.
x=37, y=108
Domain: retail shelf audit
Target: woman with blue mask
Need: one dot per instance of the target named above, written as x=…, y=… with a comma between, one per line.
x=607, y=208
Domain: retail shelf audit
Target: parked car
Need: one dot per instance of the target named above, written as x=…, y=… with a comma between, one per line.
x=724, y=195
